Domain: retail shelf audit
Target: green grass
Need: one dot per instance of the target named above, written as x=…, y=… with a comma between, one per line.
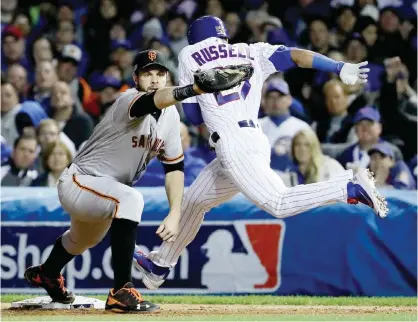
x=257, y=300
x=370, y=317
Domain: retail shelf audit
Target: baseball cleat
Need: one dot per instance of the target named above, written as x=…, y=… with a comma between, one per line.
x=153, y=275
x=53, y=286
x=128, y=300
x=366, y=192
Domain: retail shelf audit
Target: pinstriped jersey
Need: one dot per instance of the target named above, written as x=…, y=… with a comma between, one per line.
x=221, y=111
x=121, y=146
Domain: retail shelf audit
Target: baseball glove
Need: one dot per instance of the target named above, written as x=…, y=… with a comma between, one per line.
x=215, y=80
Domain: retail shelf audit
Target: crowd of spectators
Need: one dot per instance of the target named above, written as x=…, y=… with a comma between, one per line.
x=65, y=62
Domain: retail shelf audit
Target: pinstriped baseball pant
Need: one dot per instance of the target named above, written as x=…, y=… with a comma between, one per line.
x=243, y=168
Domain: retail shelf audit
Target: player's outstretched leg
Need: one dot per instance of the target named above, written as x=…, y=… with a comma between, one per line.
x=48, y=275
x=210, y=189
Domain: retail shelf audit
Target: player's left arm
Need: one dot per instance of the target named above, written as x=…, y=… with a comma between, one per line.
x=284, y=58
x=173, y=163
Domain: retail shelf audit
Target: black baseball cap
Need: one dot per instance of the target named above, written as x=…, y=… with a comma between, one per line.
x=149, y=58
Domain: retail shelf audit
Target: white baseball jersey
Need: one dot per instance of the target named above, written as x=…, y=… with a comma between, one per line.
x=282, y=134
x=243, y=153
x=221, y=111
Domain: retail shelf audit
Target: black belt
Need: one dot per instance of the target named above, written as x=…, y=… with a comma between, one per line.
x=245, y=123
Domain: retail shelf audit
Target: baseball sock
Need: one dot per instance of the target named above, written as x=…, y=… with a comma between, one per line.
x=122, y=243
x=56, y=261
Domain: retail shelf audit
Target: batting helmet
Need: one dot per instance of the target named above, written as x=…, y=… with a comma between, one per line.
x=206, y=27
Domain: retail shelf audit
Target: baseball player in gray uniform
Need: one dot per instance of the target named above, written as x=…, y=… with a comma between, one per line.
x=96, y=189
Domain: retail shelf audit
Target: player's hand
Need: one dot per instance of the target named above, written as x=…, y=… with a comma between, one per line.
x=353, y=73
x=169, y=228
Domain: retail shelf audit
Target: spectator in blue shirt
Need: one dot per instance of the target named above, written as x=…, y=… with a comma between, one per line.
x=155, y=176
x=368, y=130
x=387, y=171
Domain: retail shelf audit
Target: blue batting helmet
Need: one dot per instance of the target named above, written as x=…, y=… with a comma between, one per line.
x=206, y=27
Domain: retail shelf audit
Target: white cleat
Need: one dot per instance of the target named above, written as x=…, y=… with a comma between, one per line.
x=367, y=192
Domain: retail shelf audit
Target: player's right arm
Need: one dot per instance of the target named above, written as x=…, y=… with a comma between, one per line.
x=148, y=103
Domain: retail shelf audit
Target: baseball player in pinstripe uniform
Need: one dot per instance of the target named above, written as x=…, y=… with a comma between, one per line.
x=243, y=151
x=96, y=188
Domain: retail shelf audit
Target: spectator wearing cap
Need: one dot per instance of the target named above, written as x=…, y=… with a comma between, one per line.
x=13, y=44
x=122, y=56
x=387, y=171
x=398, y=105
x=368, y=128
x=19, y=171
x=177, y=32
x=335, y=126
x=106, y=91
x=70, y=119
x=45, y=78
x=193, y=164
x=67, y=69
x=9, y=108
x=29, y=116
x=279, y=126
x=18, y=77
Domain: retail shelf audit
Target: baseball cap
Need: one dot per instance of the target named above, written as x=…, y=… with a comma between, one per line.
x=100, y=82
x=125, y=44
x=12, y=31
x=278, y=85
x=148, y=58
x=383, y=148
x=71, y=53
x=367, y=113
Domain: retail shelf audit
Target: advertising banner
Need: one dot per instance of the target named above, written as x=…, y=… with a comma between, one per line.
x=333, y=250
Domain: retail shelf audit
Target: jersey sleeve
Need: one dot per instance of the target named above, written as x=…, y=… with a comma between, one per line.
x=173, y=151
x=191, y=107
x=272, y=58
x=124, y=104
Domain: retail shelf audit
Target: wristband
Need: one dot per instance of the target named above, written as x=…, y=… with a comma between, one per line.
x=326, y=64
x=181, y=93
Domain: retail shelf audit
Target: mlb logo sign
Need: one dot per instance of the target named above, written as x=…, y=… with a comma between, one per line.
x=242, y=256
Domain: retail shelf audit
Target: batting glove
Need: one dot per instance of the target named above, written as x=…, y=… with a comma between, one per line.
x=353, y=73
